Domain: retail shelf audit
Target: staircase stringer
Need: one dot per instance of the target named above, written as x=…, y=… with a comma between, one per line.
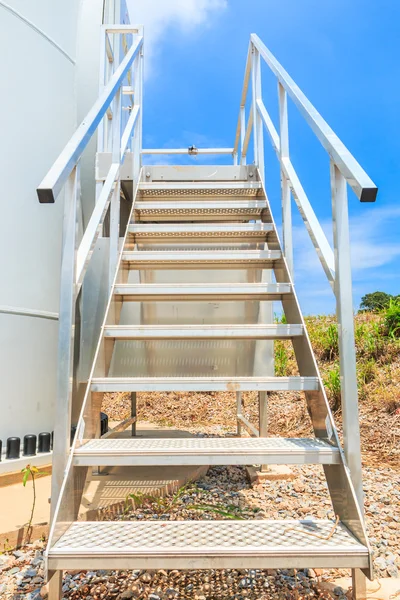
x=75, y=478
x=338, y=477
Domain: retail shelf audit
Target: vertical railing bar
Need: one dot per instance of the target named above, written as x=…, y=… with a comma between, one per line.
x=345, y=318
x=141, y=75
x=116, y=159
x=138, y=96
x=248, y=131
x=242, y=133
x=243, y=99
x=347, y=354
x=62, y=421
x=101, y=127
x=258, y=132
x=285, y=187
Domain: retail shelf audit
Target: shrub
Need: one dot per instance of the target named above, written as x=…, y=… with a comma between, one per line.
x=391, y=318
x=375, y=301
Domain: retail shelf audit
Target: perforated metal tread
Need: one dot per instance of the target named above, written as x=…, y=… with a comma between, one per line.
x=205, y=451
x=185, y=188
x=195, y=332
x=206, y=544
x=203, y=384
x=207, y=210
x=219, y=292
x=188, y=260
x=241, y=232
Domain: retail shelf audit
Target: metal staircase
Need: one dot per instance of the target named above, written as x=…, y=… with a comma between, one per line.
x=189, y=308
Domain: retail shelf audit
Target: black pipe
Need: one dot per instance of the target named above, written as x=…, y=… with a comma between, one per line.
x=44, y=442
x=73, y=432
x=30, y=444
x=103, y=423
x=13, y=447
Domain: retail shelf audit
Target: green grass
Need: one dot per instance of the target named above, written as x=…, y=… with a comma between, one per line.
x=391, y=319
x=332, y=384
x=377, y=337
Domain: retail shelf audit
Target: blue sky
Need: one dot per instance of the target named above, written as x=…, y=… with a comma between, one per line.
x=344, y=56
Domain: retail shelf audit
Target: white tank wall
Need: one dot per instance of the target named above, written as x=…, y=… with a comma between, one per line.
x=38, y=115
x=49, y=80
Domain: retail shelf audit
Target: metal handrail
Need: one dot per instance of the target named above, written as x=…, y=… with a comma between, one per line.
x=65, y=173
x=357, y=178
x=344, y=169
x=57, y=176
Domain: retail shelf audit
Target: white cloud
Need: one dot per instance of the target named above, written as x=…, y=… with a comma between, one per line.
x=160, y=17
x=373, y=248
x=369, y=243
x=370, y=246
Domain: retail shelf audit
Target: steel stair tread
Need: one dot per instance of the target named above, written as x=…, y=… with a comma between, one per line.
x=200, y=188
x=204, y=258
x=206, y=210
x=207, y=544
x=238, y=204
x=205, y=451
x=200, y=231
x=204, y=384
x=165, y=332
x=203, y=292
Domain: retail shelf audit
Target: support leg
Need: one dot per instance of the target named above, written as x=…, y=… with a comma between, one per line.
x=263, y=418
x=359, y=584
x=54, y=580
x=238, y=412
x=97, y=400
x=133, y=412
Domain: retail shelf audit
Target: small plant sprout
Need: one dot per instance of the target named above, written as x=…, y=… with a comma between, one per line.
x=32, y=471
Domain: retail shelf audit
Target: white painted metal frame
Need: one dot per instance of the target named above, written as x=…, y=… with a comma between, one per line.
x=187, y=151
x=344, y=169
x=106, y=117
x=122, y=77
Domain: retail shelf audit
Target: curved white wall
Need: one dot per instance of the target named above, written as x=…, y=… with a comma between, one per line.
x=49, y=80
x=37, y=116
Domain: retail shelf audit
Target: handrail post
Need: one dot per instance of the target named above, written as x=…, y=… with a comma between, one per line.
x=285, y=188
x=116, y=196
x=103, y=77
x=258, y=131
x=242, y=134
x=66, y=331
x=345, y=318
x=138, y=98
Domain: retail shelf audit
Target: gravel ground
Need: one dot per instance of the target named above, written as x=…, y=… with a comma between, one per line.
x=288, y=417
x=21, y=572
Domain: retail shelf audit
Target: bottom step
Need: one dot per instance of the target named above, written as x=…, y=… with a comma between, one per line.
x=205, y=451
x=207, y=544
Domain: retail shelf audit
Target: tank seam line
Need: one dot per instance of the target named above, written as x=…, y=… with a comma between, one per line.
x=35, y=28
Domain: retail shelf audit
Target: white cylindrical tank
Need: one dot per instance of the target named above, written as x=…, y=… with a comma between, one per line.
x=46, y=58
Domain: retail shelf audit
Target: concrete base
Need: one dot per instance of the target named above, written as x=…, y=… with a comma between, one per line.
x=11, y=469
x=274, y=473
